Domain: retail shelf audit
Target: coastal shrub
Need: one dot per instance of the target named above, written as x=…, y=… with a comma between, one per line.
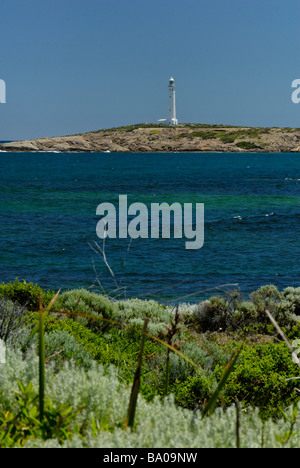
x=205, y=135
x=214, y=314
x=81, y=301
x=245, y=315
x=11, y=319
x=99, y=404
x=131, y=128
x=194, y=391
x=283, y=306
x=205, y=355
x=131, y=311
x=98, y=394
x=230, y=137
x=291, y=300
x=61, y=346
x=263, y=378
x=246, y=145
x=232, y=313
x=23, y=424
x=134, y=311
x=96, y=345
x=175, y=428
x=70, y=392
x=266, y=297
x=118, y=347
x=25, y=294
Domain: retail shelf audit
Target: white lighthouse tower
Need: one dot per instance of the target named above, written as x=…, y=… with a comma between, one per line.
x=172, y=106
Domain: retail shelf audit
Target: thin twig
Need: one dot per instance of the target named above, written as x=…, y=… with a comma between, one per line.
x=198, y=292
x=102, y=252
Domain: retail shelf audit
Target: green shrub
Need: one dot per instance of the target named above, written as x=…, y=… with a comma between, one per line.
x=229, y=137
x=263, y=378
x=193, y=392
x=25, y=294
x=20, y=425
x=98, y=346
x=118, y=347
x=246, y=145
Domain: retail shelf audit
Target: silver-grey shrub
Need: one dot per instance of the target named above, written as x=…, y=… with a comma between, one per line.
x=224, y=314
x=82, y=301
x=60, y=346
x=100, y=402
x=134, y=311
x=291, y=300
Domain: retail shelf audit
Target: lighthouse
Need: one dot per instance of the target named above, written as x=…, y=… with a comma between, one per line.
x=172, y=106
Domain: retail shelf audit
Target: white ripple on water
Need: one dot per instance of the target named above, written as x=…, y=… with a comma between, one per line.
x=253, y=216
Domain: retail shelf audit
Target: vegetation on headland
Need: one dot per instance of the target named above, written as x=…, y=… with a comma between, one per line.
x=212, y=374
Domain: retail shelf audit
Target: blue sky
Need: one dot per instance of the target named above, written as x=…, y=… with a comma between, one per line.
x=72, y=66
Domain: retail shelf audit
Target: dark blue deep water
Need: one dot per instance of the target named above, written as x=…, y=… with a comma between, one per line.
x=252, y=222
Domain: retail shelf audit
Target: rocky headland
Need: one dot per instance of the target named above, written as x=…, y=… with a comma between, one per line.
x=149, y=138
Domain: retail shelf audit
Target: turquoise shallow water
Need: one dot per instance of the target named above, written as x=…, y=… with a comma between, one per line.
x=252, y=221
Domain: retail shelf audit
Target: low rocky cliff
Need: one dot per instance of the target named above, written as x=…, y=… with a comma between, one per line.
x=145, y=138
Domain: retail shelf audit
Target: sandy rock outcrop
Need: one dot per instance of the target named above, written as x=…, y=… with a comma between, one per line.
x=182, y=138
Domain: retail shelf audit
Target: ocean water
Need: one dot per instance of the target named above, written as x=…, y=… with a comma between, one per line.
x=252, y=222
